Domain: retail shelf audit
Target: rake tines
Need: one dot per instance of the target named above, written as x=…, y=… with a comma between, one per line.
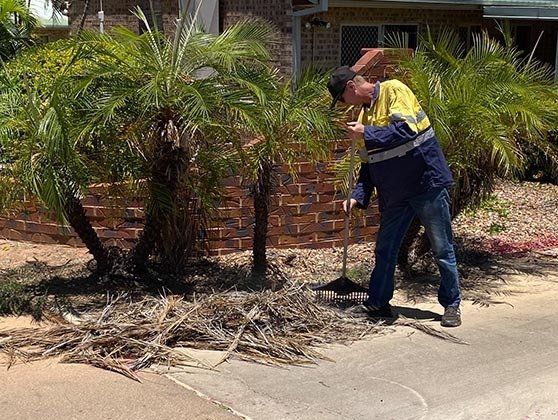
x=341, y=290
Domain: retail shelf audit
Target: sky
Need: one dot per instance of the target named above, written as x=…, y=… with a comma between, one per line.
x=43, y=11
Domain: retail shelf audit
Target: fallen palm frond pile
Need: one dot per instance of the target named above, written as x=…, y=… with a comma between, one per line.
x=275, y=327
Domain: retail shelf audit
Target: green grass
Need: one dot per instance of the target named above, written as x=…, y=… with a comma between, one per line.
x=491, y=204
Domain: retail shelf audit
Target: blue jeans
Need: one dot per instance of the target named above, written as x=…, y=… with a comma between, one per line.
x=433, y=210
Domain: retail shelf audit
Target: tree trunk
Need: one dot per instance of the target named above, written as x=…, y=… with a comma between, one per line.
x=83, y=16
x=166, y=170
x=262, y=199
x=414, y=244
x=146, y=243
x=80, y=223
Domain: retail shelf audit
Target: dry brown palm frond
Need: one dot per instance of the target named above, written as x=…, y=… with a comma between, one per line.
x=427, y=329
x=273, y=327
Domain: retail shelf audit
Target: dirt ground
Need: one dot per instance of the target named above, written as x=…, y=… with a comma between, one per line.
x=15, y=254
x=515, y=230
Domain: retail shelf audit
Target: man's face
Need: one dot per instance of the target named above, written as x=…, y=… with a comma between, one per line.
x=350, y=94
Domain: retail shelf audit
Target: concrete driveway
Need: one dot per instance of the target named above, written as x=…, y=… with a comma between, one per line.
x=509, y=370
x=50, y=390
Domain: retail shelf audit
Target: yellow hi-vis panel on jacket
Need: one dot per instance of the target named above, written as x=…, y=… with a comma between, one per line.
x=395, y=102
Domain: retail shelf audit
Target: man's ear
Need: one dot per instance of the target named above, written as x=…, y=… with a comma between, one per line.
x=351, y=84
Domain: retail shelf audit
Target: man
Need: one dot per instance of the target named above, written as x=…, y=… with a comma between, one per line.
x=402, y=159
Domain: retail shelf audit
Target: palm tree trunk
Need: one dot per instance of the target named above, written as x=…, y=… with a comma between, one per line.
x=146, y=243
x=262, y=199
x=83, y=16
x=80, y=223
x=166, y=170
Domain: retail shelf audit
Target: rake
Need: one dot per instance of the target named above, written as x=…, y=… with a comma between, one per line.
x=343, y=289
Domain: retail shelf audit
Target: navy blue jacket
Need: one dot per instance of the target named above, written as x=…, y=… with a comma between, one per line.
x=420, y=170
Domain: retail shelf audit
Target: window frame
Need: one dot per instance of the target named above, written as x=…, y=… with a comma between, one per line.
x=381, y=31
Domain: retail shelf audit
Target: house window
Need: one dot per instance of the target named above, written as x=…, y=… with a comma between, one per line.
x=406, y=36
x=356, y=37
x=522, y=36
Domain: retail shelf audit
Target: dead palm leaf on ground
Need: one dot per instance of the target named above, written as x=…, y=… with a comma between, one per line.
x=273, y=327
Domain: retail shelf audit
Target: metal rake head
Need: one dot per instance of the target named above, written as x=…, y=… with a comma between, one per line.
x=341, y=290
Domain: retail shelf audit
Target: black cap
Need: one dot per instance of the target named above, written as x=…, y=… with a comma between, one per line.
x=338, y=81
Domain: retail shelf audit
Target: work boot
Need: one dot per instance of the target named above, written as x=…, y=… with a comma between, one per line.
x=451, y=317
x=373, y=312
x=383, y=312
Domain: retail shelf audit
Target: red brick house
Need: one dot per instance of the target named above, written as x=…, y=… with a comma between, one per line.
x=328, y=33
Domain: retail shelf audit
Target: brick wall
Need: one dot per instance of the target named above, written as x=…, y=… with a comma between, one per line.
x=118, y=13
x=116, y=220
x=321, y=46
x=379, y=63
x=51, y=34
x=306, y=213
x=278, y=12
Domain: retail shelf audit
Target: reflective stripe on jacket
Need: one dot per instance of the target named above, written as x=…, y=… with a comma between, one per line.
x=396, y=118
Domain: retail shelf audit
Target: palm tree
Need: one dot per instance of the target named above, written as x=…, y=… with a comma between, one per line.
x=488, y=105
x=16, y=25
x=164, y=116
x=180, y=105
x=296, y=122
x=41, y=159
